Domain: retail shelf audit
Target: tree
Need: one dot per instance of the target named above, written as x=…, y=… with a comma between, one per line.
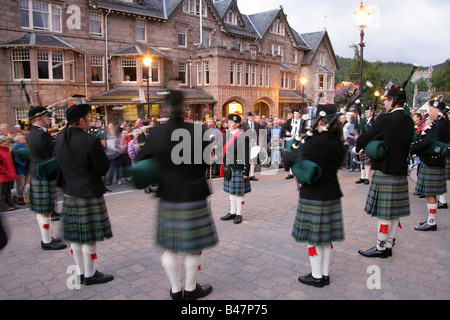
x=441, y=78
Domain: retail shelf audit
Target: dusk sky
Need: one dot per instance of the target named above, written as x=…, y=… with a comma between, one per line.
x=410, y=31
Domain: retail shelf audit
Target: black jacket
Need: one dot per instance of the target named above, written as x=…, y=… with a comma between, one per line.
x=396, y=129
x=327, y=150
x=181, y=162
x=41, y=147
x=82, y=163
x=437, y=130
x=238, y=153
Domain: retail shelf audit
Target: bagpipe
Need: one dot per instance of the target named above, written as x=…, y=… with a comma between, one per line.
x=437, y=148
x=306, y=171
x=377, y=149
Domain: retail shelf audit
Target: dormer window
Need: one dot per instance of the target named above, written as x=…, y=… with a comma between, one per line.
x=193, y=6
x=277, y=27
x=231, y=17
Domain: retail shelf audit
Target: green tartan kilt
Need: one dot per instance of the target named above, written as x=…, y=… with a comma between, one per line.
x=85, y=220
x=42, y=196
x=318, y=222
x=388, y=196
x=431, y=181
x=447, y=169
x=186, y=226
x=237, y=185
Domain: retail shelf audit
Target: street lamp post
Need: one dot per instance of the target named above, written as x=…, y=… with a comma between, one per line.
x=377, y=95
x=361, y=16
x=303, y=82
x=148, y=64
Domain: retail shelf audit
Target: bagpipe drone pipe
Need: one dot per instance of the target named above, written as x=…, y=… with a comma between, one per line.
x=306, y=171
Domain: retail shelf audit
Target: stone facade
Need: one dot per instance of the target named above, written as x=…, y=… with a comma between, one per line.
x=253, y=62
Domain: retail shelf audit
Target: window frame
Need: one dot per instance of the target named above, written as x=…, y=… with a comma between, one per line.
x=19, y=55
x=31, y=12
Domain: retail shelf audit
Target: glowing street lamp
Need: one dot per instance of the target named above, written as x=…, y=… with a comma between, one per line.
x=362, y=18
x=148, y=63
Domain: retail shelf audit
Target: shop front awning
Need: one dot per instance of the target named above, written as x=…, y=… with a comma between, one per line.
x=138, y=95
x=140, y=49
x=287, y=96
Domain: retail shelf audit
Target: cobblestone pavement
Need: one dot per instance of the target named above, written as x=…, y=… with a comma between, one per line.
x=256, y=260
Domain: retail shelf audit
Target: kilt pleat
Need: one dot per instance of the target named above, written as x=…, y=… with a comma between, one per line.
x=388, y=196
x=318, y=222
x=185, y=227
x=42, y=196
x=447, y=169
x=431, y=181
x=237, y=185
x=85, y=220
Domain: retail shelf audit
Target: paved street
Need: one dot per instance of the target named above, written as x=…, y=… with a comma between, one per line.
x=256, y=260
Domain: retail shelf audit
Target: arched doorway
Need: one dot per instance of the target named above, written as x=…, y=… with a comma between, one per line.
x=233, y=105
x=262, y=108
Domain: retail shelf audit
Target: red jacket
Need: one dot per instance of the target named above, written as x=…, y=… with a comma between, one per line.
x=7, y=169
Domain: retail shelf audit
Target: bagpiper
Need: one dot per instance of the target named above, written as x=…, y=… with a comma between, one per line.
x=42, y=192
x=82, y=163
x=364, y=125
x=184, y=223
x=388, y=198
x=318, y=220
x=431, y=181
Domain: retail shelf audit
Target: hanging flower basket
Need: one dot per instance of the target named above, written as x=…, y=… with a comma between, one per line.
x=205, y=112
x=345, y=90
x=287, y=109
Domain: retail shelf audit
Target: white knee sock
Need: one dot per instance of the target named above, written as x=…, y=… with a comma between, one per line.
x=239, y=205
x=383, y=231
x=326, y=251
x=392, y=231
x=367, y=171
x=315, y=258
x=442, y=199
x=363, y=175
x=78, y=256
x=252, y=170
x=89, y=254
x=44, y=227
x=432, y=209
x=171, y=265
x=232, y=204
x=192, y=264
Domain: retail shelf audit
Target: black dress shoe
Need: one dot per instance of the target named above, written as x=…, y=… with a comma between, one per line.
x=326, y=280
x=228, y=216
x=289, y=176
x=254, y=179
x=360, y=181
x=374, y=253
x=56, y=239
x=366, y=181
x=426, y=227
x=389, y=252
x=311, y=281
x=199, y=292
x=442, y=205
x=238, y=219
x=53, y=245
x=176, y=295
x=97, y=278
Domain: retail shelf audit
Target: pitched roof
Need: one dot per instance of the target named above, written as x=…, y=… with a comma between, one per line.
x=314, y=39
x=262, y=21
x=39, y=40
x=139, y=49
